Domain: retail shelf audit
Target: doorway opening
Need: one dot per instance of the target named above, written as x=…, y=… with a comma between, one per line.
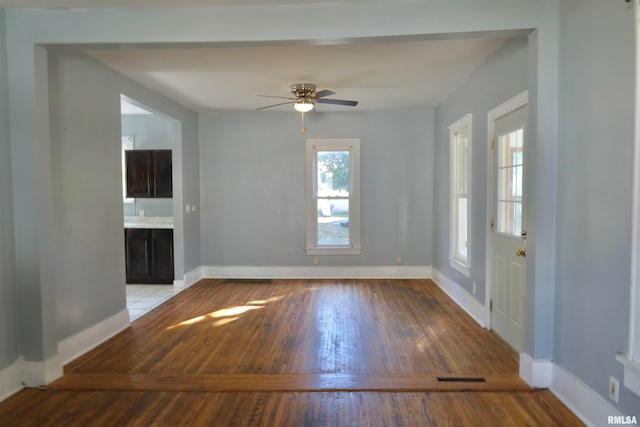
x=149, y=142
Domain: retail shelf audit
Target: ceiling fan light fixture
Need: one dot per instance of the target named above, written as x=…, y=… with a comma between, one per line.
x=303, y=106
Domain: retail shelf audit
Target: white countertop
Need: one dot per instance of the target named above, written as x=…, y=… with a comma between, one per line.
x=148, y=222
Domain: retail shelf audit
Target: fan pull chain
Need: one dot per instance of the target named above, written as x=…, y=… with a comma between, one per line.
x=304, y=127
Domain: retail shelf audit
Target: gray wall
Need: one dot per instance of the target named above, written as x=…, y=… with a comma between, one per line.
x=152, y=132
x=253, y=196
x=9, y=347
x=87, y=267
x=499, y=79
x=595, y=192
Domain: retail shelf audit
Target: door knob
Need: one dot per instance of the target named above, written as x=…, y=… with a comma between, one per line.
x=521, y=252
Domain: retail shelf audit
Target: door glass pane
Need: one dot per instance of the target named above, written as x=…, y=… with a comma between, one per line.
x=333, y=222
x=510, y=185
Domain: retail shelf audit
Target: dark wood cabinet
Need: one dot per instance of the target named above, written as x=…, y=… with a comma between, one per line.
x=161, y=262
x=149, y=255
x=149, y=173
x=163, y=173
x=138, y=173
x=138, y=253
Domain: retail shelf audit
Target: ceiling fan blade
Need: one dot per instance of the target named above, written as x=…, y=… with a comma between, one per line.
x=324, y=92
x=273, y=96
x=337, y=102
x=275, y=105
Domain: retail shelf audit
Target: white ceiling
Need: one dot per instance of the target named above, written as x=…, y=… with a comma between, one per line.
x=380, y=75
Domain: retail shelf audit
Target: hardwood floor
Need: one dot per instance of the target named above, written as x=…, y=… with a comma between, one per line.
x=45, y=408
x=295, y=352
x=296, y=326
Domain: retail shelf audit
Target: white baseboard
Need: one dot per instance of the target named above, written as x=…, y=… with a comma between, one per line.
x=76, y=345
x=178, y=284
x=36, y=374
x=11, y=379
x=536, y=373
x=317, y=272
x=193, y=276
x=631, y=373
x=585, y=403
x=460, y=295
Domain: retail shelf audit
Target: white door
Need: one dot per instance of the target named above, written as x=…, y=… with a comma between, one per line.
x=509, y=227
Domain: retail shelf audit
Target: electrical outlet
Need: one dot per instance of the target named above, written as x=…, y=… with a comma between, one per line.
x=614, y=389
x=193, y=208
x=398, y=260
x=187, y=208
x=141, y=212
x=315, y=260
x=473, y=288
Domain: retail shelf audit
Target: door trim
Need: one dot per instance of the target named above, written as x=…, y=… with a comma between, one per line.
x=493, y=115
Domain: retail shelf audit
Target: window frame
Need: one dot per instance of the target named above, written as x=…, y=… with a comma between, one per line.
x=631, y=359
x=460, y=127
x=312, y=147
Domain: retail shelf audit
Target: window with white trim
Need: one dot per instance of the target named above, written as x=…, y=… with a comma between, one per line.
x=631, y=360
x=333, y=196
x=460, y=195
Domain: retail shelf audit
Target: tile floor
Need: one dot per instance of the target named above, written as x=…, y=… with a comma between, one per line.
x=143, y=298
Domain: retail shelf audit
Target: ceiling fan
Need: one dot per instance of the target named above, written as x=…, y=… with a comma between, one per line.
x=306, y=97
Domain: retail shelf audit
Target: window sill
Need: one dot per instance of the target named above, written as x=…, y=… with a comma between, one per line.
x=631, y=373
x=334, y=251
x=462, y=268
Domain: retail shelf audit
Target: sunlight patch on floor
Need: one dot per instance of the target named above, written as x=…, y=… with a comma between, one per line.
x=227, y=315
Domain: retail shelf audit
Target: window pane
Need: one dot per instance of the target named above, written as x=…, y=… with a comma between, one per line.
x=333, y=174
x=461, y=247
x=462, y=167
x=333, y=222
